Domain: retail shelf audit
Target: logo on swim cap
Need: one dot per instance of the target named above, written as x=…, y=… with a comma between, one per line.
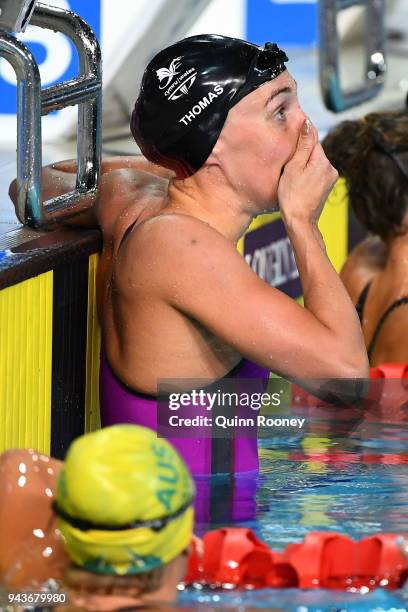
x=179, y=87
x=168, y=73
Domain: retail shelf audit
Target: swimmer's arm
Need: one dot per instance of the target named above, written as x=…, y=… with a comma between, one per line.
x=60, y=178
x=304, y=185
x=200, y=274
x=326, y=299
x=136, y=162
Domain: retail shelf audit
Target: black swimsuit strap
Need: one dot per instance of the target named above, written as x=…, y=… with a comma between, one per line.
x=126, y=233
x=390, y=309
x=362, y=298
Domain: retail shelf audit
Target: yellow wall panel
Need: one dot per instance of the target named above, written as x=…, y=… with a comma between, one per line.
x=333, y=224
x=26, y=364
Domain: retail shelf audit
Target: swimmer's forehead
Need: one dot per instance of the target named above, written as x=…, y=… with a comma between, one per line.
x=284, y=83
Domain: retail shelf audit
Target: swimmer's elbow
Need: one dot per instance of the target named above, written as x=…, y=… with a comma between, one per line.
x=356, y=387
x=355, y=365
x=340, y=392
x=358, y=373
x=353, y=378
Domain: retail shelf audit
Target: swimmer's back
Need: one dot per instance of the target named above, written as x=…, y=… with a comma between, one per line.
x=145, y=337
x=125, y=192
x=379, y=282
x=363, y=264
x=384, y=318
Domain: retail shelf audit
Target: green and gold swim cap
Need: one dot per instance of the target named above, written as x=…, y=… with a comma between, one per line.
x=124, y=501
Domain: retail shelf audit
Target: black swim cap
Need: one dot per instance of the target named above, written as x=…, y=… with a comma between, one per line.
x=187, y=91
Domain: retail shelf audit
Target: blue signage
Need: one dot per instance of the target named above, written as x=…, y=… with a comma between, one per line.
x=54, y=52
x=286, y=22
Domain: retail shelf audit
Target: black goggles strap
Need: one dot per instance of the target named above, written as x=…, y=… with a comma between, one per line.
x=270, y=57
x=154, y=524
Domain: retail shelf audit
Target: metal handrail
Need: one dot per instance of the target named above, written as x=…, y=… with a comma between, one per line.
x=28, y=121
x=84, y=91
x=335, y=98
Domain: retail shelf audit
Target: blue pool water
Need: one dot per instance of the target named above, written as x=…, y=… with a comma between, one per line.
x=345, y=472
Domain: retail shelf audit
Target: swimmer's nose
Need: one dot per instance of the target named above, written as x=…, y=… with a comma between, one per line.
x=301, y=119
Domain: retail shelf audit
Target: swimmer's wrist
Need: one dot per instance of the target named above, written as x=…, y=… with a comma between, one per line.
x=295, y=224
x=305, y=229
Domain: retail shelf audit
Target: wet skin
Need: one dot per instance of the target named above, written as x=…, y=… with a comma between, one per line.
x=385, y=265
x=363, y=264
x=176, y=299
x=31, y=549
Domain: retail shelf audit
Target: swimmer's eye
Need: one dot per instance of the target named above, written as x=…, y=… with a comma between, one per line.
x=281, y=113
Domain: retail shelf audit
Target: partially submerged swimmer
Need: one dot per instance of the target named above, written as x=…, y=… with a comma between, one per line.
x=372, y=155
x=180, y=259
x=176, y=300
x=124, y=508
x=31, y=551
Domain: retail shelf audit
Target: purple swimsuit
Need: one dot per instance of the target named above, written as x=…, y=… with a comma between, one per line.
x=204, y=456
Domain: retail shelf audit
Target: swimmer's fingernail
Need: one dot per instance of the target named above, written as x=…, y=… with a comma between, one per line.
x=307, y=126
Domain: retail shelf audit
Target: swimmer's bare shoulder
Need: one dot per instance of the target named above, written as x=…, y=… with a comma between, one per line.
x=122, y=192
x=184, y=262
x=363, y=264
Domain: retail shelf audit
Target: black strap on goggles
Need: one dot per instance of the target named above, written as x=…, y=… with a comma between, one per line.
x=154, y=524
x=270, y=56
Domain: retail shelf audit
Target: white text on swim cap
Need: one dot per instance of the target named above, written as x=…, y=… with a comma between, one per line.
x=181, y=85
x=168, y=73
x=201, y=105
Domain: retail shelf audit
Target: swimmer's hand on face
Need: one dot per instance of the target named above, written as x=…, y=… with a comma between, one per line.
x=306, y=180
